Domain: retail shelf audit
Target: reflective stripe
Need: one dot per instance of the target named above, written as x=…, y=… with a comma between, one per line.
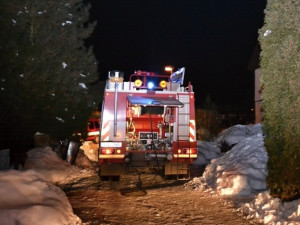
x=111, y=156
x=192, y=130
x=105, y=131
x=93, y=133
x=185, y=156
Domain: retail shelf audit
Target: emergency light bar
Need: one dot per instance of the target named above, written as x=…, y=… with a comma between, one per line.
x=150, y=81
x=150, y=84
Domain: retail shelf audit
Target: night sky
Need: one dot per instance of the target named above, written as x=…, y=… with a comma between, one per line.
x=213, y=39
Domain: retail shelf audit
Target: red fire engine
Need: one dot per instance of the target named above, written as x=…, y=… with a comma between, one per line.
x=93, y=130
x=147, y=122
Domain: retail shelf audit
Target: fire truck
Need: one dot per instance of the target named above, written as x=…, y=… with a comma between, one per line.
x=147, y=123
x=93, y=130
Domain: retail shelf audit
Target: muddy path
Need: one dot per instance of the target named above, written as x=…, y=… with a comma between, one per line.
x=139, y=198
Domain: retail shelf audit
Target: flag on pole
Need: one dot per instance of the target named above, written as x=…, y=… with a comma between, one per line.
x=178, y=76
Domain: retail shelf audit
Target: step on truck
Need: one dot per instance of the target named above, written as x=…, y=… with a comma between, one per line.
x=147, y=123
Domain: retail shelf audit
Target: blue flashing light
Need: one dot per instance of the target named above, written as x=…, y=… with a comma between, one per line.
x=150, y=85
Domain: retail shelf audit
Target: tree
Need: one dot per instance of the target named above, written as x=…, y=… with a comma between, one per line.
x=207, y=120
x=280, y=64
x=46, y=70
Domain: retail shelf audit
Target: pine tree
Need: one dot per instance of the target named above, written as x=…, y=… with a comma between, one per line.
x=280, y=64
x=46, y=70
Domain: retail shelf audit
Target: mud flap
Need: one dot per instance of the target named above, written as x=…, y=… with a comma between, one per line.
x=112, y=170
x=176, y=168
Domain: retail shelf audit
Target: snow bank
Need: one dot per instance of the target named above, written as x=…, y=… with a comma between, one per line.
x=26, y=199
x=269, y=210
x=238, y=133
x=231, y=136
x=52, y=168
x=206, y=152
x=240, y=171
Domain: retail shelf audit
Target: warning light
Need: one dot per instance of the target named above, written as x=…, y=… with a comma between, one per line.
x=138, y=83
x=163, y=84
x=150, y=85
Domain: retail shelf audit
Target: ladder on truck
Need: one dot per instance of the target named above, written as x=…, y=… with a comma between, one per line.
x=183, y=126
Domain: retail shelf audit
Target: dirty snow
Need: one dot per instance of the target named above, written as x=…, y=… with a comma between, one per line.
x=241, y=172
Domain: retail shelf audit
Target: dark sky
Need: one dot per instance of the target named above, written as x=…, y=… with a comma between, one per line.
x=212, y=39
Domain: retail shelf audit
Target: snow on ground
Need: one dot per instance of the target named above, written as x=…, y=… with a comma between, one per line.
x=269, y=210
x=27, y=199
x=241, y=172
x=30, y=196
x=89, y=151
x=206, y=152
x=52, y=168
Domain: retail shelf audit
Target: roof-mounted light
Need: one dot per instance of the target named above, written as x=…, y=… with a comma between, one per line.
x=163, y=84
x=138, y=83
x=150, y=85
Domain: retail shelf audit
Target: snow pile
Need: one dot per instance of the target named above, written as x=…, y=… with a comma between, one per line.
x=228, y=138
x=238, y=133
x=206, y=152
x=89, y=151
x=240, y=171
x=27, y=199
x=269, y=210
x=51, y=167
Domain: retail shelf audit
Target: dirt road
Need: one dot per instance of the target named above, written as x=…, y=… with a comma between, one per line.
x=147, y=199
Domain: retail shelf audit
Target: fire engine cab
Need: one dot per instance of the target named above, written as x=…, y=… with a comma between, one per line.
x=147, y=122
